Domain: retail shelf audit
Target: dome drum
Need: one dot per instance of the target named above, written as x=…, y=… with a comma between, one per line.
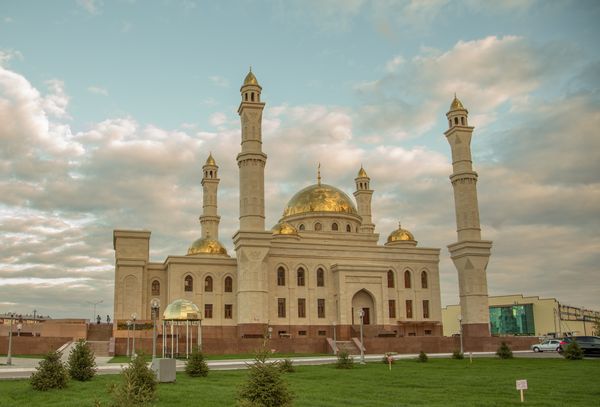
x=182, y=310
x=206, y=246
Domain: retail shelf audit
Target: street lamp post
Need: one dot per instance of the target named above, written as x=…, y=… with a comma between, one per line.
x=128, y=329
x=361, y=314
x=461, y=333
x=154, y=305
x=94, y=304
x=9, y=354
x=334, y=339
x=133, y=317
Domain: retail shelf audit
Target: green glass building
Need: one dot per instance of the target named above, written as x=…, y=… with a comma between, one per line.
x=512, y=320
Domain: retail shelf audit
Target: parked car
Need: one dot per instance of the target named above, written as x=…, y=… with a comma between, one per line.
x=547, y=345
x=588, y=344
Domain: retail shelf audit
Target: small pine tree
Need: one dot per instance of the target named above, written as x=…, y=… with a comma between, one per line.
x=51, y=373
x=287, y=366
x=458, y=355
x=81, y=363
x=504, y=351
x=196, y=365
x=344, y=360
x=573, y=351
x=265, y=387
x=423, y=357
x=138, y=385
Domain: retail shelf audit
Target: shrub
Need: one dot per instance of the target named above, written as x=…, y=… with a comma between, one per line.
x=458, y=355
x=81, y=363
x=287, y=366
x=504, y=351
x=344, y=360
x=573, y=351
x=138, y=385
x=265, y=387
x=51, y=373
x=196, y=365
x=385, y=359
x=423, y=357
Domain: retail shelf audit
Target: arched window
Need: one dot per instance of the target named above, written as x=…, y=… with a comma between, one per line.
x=348, y=228
x=334, y=227
x=228, y=284
x=407, y=279
x=246, y=96
x=252, y=96
x=390, y=278
x=300, y=274
x=424, y=279
x=301, y=227
x=188, y=284
x=462, y=121
x=318, y=227
x=155, y=287
x=281, y=276
x=320, y=277
x=208, y=284
x=456, y=120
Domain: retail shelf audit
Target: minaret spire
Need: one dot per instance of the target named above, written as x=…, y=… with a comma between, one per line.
x=209, y=220
x=363, y=196
x=319, y=174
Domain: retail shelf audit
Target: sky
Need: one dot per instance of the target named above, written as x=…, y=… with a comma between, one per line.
x=108, y=110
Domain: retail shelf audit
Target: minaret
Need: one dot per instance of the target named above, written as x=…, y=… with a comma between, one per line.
x=251, y=161
x=470, y=254
x=363, y=197
x=210, y=183
x=252, y=242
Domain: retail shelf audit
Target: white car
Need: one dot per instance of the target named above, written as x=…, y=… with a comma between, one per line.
x=547, y=345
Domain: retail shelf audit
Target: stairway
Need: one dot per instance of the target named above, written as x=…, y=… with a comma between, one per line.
x=99, y=332
x=347, y=346
x=100, y=348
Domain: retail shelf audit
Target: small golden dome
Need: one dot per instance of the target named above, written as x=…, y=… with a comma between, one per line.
x=210, y=160
x=206, y=246
x=250, y=79
x=319, y=198
x=400, y=235
x=456, y=104
x=284, y=228
x=182, y=310
x=362, y=173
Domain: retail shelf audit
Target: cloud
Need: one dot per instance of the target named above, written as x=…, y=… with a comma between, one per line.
x=219, y=81
x=6, y=55
x=91, y=6
x=97, y=90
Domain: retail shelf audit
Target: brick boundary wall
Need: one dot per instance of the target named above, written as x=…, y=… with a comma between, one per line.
x=32, y=345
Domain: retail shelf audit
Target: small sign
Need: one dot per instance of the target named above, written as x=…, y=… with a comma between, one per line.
x=521, y=384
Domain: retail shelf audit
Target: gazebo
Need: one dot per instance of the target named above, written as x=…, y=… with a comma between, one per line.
x=178, y=314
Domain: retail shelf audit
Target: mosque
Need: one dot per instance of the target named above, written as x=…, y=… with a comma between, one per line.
x=320, y=269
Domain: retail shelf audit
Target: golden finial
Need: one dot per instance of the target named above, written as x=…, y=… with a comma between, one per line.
x=319, y=174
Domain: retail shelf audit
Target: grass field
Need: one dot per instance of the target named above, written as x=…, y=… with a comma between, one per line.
x=439, y=382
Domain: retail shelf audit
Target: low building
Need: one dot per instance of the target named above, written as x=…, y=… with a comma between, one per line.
x=533, y=316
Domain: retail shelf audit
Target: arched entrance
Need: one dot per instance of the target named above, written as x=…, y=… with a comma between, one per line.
x=363, y=300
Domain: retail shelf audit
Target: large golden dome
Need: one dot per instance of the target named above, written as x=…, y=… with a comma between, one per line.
x=206, y=246
x=182, y=310
x=320, y=198
x=400, y=235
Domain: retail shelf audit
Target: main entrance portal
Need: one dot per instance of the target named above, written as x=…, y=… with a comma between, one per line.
x=363, y=300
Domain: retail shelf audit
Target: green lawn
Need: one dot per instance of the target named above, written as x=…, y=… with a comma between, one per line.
x=439, y=382
x=125, y=359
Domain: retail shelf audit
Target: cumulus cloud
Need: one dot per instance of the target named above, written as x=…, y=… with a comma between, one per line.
x=97, y=90
x=91, y=6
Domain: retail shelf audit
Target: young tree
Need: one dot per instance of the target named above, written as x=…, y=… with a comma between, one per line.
x=344, y=360
x=573, y=351
x=265, y=386
x=50, y=374
x=504, y=351
x=81, y=363
x=138, y=385
x=423, y=357
x=196, y=365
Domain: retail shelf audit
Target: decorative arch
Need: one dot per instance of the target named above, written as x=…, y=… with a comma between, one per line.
x=318, y=227
x=334, y=227
x=391, y=283
x=208, y=284
x=348, y=228
x=407, y=279
x=228, y=284
x=301, y=227
x=424, y=279
x=320, y=277
x=301, y=276
x=281, y=272
x=155, y=287
x=188, y=284
x=363, y=300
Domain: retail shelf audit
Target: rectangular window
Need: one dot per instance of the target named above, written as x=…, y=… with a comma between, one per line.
x=425, y=308
x=428, y=332
x=408, y=308
x=321, y=307
x=207, y=310
x=228, y=311
x=392, y=308
x=301, y=307
x=281, y=307
x=301, y=333
x=322, y=333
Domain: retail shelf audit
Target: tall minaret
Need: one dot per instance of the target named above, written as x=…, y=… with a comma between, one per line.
x=251, y=160
x=470, y=254
x=252, y=242
x=363, y=197
x=210, y=183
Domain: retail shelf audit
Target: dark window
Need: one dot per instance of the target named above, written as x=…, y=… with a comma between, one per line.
x=334, y=227
x=207, y=310
x=321, y=307
x=456, y=120
x=301, y=227
x=407, y=279
x=408, y=308
x=301, y=277
x=228, y=284
x=392, y=308
x=252, y=96
x=281, y=307
x=390, y=278
x=348, y=228
x=428, y=332
x=425, y=308
x=424, y=279
x=280, y=276
x=155, y=287
x=188, y=284
x=301, y=333
x=462, y=121
x=246, y=96
x=301, y=307
x=320, y=277
x=228, y=311
x=322, y=333
x=318, y=227
x=208, y=284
